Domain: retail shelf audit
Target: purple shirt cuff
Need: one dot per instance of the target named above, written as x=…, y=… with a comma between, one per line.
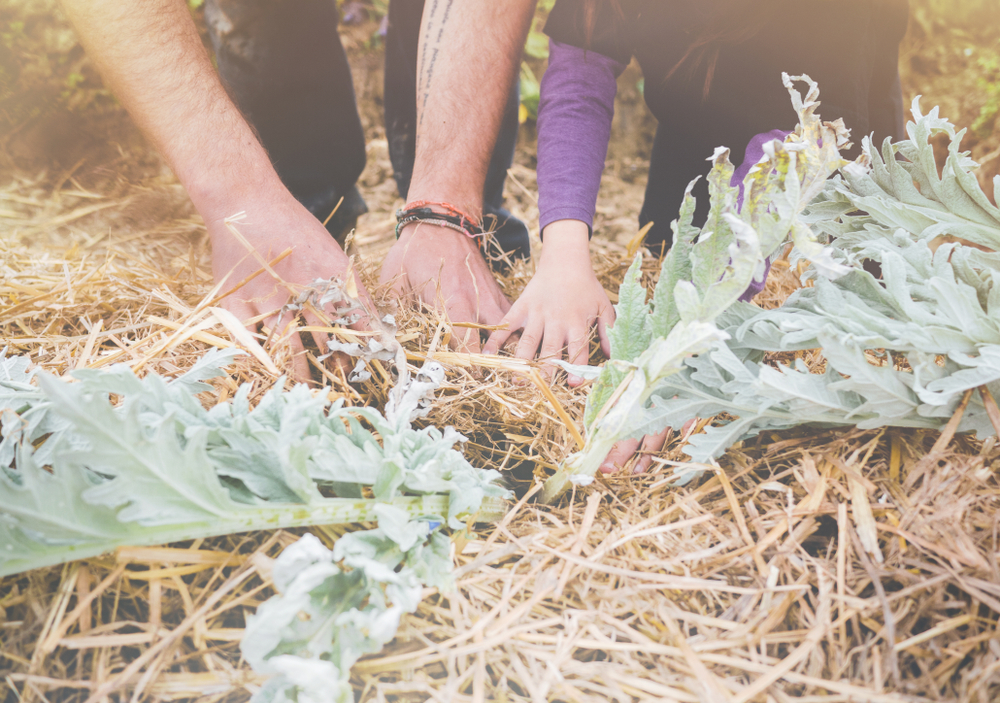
x=575, y=111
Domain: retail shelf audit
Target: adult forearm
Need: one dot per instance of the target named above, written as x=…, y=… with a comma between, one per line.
x=469, y=57
x=149, y=53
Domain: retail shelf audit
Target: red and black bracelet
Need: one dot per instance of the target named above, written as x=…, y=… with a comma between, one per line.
x=452, y=218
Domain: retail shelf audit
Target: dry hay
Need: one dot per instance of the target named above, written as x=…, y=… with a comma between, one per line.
x=749, y=584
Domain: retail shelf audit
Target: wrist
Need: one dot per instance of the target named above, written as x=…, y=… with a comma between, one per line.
x=221, y=163
x=440, y=214
x=219, y=192
x=461, y=197
x=431, y=234
x=566, y=241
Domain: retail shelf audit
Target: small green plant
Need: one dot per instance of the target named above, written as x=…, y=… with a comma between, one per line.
x=536, y=47
x=81, y=475
x=935, y=308
x=530, y=93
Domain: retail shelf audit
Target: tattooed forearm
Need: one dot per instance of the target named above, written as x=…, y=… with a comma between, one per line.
x=432, y=43
x=469, y=54
x=431, y=14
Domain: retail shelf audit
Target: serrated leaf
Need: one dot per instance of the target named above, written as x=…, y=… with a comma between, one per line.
x=708, y=270
x=676, y=267
x=630, y=334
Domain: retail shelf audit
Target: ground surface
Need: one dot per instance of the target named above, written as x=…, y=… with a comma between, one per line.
x=637, y=590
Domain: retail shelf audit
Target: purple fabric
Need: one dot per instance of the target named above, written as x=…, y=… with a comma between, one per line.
x=574, y=126
x=753, y=154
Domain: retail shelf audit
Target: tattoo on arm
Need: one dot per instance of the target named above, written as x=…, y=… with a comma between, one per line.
x=435, y=38
x=427, y=34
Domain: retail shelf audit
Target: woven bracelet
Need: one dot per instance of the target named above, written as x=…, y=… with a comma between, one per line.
x=452, y=218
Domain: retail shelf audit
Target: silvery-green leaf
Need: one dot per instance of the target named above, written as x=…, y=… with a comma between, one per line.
x=411, y=398
x=154, y=479
x=710, y=251
x=664, y=358
x=334, y=607
x=211, y=365
x=159, y=467
x=744, y=256
x=398, y=527
x=630, y=334
x=973, y=371
x=676, y=267
x=708, y=270
x=587, y=373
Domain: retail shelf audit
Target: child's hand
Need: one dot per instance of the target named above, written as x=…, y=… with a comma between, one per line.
x=561, y=303
x=642, y=449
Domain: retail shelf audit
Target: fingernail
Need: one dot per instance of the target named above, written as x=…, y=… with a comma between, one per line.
x=573, y=380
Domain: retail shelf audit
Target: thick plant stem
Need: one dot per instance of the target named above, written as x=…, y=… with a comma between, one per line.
x=330, y=511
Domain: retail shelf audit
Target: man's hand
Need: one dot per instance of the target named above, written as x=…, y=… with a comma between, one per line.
x=470, y=52
x=151, y=55
x=277, y=222
x=444, y=268
x=561, y=304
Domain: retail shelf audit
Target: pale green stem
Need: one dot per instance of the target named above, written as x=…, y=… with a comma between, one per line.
x=330, y=511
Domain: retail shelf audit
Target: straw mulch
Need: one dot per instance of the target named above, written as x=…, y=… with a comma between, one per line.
x=749, y=584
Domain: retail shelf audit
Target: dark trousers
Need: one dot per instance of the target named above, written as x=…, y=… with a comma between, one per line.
x=285, y=67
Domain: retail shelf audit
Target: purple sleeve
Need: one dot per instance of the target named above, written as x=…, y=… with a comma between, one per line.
x=575, y=109
x=754, y=153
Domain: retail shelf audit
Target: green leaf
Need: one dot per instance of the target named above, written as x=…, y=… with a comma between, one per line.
x=900, y=350
x=629, y=337
x=530, y=91
x=676, y=267
x=662, y=359
x=158, y=467
x=707, y=270
x=537, y=45
x=630, y=334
